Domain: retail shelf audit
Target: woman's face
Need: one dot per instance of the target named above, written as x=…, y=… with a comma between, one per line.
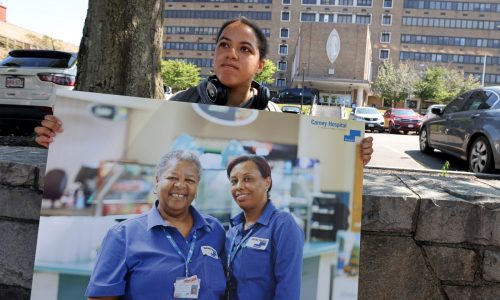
x=176, y=187
x=248, y=187
x=237, y=57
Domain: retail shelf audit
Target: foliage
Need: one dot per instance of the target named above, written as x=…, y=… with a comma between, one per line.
x=442, y=84
x=395, y=82
x=267, y=74
x=179, y=75
x=444, y=169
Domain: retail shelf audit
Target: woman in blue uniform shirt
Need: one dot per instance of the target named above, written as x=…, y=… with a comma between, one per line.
x=170, y=252
x=264, y=247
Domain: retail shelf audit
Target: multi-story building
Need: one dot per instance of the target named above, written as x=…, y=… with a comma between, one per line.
x=13, y=37
x=336, y=45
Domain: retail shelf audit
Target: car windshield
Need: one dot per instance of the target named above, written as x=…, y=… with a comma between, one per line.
x=39, y=59
x=405, y=112
x=367, y=111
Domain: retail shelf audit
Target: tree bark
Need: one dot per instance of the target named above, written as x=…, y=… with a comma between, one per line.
x=120, y=51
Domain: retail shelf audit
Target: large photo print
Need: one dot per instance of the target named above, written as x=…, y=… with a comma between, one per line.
x=276, y=202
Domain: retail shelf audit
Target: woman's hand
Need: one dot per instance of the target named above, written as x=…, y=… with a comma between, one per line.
x=45, y=134
x=366, y=149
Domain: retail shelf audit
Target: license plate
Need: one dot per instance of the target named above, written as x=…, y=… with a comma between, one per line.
x=370, y=125
x=410, y=126
x=14, y=82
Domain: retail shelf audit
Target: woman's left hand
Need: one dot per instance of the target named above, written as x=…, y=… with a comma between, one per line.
x=366, y=149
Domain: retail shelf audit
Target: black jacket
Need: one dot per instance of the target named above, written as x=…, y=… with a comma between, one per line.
x=198, y=94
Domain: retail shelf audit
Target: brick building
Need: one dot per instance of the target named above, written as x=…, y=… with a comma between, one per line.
x=15, y=37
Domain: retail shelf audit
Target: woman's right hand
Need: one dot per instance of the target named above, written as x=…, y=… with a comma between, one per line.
x=45, y=134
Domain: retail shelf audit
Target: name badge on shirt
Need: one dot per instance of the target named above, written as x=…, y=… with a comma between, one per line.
x=209, y=251
x=257, y=243
x=187, y=288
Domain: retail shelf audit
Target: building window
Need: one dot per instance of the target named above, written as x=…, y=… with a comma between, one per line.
x=283, y=49
x=344, y=18
x=310, y=2
x=385, y=37
x=387, y=3
x=364, y=3
x=326, y=18
x=282, y=65
x=281, y=82
x=284, y=33
x=363, y=19
x=216, y=14
x=346, y=2
x=285, y=16
x=286, y=2
x=384, y=54
x=327, y=2
x=387, y=20
x=307, y=17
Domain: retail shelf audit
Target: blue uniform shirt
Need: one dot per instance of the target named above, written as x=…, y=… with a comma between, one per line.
x=136, y=261
x=269, y=263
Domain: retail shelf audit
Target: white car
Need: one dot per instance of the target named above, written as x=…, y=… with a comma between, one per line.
x=429, y=114
x=370, y=116
x=27, y=80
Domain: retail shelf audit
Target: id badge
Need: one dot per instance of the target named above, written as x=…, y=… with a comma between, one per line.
x=187, y=288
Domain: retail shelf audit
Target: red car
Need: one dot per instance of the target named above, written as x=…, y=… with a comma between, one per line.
x=405, y=119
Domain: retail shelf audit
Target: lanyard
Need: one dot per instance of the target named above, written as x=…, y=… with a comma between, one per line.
x=233, y=250
x=176, y=248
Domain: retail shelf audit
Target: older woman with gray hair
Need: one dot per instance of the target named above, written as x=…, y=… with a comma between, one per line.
x=173, y=251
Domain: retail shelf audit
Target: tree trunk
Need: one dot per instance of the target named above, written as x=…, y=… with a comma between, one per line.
x=120, y=51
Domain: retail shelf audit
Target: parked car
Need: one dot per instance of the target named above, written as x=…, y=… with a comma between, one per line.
x=294, y=96
x=370, y=116
x=468, y=128
x=291, y=109
x=28, y=78
x=429, y=114
x=405, y=119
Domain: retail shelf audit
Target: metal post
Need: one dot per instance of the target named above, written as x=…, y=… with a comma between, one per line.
x=484, y=71
x=302, y=95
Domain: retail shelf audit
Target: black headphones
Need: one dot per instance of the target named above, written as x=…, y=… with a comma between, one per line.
x=217, y=93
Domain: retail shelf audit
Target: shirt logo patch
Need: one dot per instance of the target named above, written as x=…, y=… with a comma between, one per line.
x=209, y=251
x=257, y=243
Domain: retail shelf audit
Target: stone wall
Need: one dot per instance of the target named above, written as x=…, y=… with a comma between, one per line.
x=429, y=237
x=20, y=198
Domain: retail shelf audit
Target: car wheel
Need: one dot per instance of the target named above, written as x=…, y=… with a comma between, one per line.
x=480, y=157
x=381, y=130
x=424, y=142
x=405, y=132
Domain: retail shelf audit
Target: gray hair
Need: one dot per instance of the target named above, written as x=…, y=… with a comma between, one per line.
x=175, y=156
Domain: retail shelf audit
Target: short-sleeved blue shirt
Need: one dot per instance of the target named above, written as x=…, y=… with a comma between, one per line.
x=136, y=261
x=269, y=264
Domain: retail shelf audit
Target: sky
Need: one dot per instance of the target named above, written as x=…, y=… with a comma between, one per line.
x=59, y=19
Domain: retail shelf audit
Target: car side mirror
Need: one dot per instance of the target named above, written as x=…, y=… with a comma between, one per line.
x=437, y=111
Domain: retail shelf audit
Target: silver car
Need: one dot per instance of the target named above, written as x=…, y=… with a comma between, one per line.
x=468, y=128
x=370, y=116
x=28, y=78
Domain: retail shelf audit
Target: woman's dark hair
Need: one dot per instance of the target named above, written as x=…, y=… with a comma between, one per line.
x=260, y=162
x=261, y=38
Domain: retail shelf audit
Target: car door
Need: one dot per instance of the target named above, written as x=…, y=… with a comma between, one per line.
x=439, y=127
x=470, y=120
